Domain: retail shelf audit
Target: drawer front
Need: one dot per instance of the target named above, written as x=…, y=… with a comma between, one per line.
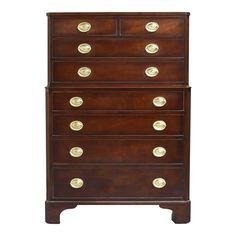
x=118, y=100
x=116, y=124
x=168, y=72
x=157, y=27
x=83, y=27
x=118, y=48
x=100, y=151
x=118, y=182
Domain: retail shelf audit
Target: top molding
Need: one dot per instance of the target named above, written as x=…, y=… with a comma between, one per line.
x=118, y=13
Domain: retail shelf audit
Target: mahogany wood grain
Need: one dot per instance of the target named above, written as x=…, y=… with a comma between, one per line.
x=53, y=210
x=99, y=15
x=180, y=211
x=113, y=47
x=113, y=71
x=168, y=27
x=107, y=99
x=121, y=151
x=68, y=27
x=117, y=124
x=118, y=182
x=117, y=165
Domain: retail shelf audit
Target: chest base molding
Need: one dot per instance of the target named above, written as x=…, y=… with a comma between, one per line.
x=180, y=209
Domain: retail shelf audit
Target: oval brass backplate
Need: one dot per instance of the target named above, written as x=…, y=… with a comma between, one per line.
x=76, y=125
x=76, y=152
x=84, y=48
x=159, y=151
x=159, y=125
x=84, y=27
x=76, y=101
x=159, y=101
x=152, y=48
x=159, y=183
x=84, y=72
x=152, y=27
x=151, y=71
x=76, y=183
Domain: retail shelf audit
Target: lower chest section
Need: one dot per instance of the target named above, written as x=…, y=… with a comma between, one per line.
x=111, y=144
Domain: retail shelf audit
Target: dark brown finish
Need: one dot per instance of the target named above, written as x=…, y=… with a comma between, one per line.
x=53, y=210
x=118, y=182
x=180, y=211
x=118, y=99
x=68, y=27
x=117, y=15
x=115, y=124
x=172, y=27
x=121, y=151
x=117, y=165
x=112, y=71
x=67, y=47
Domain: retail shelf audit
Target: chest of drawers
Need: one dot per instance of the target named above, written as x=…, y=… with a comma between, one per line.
x=118, y=111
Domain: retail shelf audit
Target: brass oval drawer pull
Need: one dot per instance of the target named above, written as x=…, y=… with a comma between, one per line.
x=159, y=151
x=151, y=71
x=84, y=48
x=84, y=27
x=76, y=183
x=76, y=101
x=159, y=125
x=152, y=48
x=152, y=26
x=84, y=72
x=76, y=125
x=159, y=183
x=159, y=101
x=76, y=152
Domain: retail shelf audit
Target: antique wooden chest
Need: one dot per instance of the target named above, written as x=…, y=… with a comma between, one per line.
x=118, y=111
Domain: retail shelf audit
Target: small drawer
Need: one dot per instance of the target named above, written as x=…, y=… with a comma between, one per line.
x=118, y=124
x=118, y=48
x=129, y=151
x=84, y=27
x=157, y=27
x=118, y=72
x=102, y=99
x=118, y=182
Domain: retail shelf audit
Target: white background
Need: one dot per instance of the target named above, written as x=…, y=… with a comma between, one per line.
x=23, y=75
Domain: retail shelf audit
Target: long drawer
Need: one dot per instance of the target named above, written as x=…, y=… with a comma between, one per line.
x=65, y=47
x=117, y=182
x=118, y=71
x=118, y=124
x=120, y=151
x=105, y=99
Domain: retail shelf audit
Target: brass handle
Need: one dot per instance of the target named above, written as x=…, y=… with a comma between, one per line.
x=159, y=125
x=159, y=101
x=84, y=27
x=152, y=48
x=84, y=48
x=84, y=72
x=159, y=151
x=76, y=125
x=76, y=101
x=151, y=71
x=76, y=152
x=152, y=26
x=76, y=183
x=159, y=183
